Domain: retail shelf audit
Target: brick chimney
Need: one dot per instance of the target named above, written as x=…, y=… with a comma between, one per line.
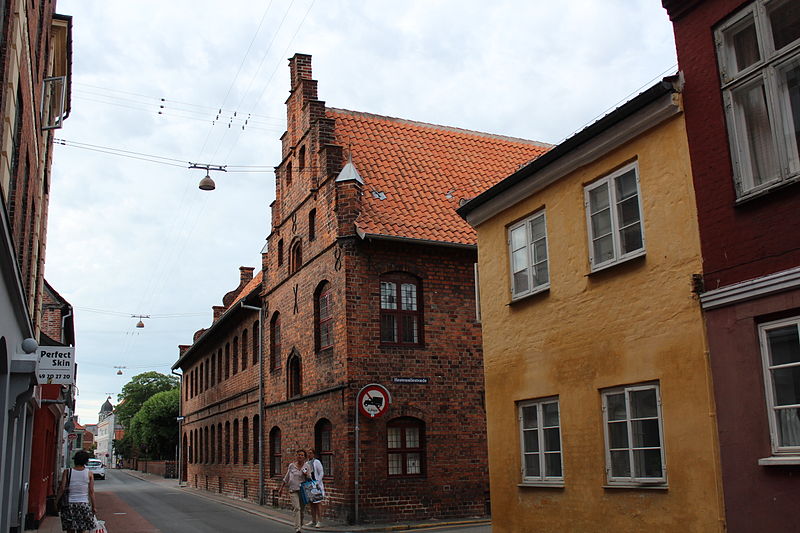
x=245, y=276
x=219, y=310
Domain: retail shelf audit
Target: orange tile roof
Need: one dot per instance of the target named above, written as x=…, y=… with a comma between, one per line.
x=417, y=166
x=252, y=284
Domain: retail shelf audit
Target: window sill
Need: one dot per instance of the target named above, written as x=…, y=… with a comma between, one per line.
x=621, y=261
x=765, y=190
x=778, y=460
x=541, y=485
x=544, y=289
x=638, y=486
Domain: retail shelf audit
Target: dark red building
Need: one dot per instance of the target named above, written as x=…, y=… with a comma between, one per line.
x=368, y=277
x=741, y=62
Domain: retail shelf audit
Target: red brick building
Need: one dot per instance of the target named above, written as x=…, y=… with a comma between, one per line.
x=741, y=62
x=368, y=277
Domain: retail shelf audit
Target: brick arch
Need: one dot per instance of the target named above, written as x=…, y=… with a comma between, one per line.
x=294, y=374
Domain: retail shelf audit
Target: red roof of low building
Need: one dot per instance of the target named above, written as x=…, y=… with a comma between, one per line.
x=416, y=174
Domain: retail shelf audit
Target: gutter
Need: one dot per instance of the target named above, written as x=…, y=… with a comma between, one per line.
x=410, y=240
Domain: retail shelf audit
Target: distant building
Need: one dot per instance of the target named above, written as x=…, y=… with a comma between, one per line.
x=35, y=64
x=106, y=433
x=741, y=61
x=368, y=277
x=597, y=385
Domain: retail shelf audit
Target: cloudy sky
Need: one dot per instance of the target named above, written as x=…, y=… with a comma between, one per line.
x=131, y=234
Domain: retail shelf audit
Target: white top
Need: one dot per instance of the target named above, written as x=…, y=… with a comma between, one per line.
x=79, y=486
x=315, y=466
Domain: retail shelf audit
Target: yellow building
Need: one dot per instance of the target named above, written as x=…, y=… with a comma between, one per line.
x=599, y=401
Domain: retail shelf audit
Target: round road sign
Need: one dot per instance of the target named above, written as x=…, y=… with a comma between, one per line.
x=374, y=400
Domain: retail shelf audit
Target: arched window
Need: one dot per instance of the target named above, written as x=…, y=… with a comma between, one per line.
x=289, y=173
x=322, y=444
x=202, y=377
x=191, y=446
x=301, y=159
x=275, y=452
x=185, y=458
x=227, y=443
x=405, y=443
x=245, y=441
x=219, y=443
x=275, y=341
x=294, y=376
x=280, y=252
x=219, y=365
x=401, y=309
x=213, y=450
x=213, y=373
x=312, y=225
x=205, y=446
x=236, y=441
x=323, y=316
x=256, y=344
x=227, y=360
x=296, y=256
x=235, y=366
x=256, y=439
x=244, y=349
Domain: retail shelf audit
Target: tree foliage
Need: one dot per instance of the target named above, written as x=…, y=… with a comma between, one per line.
x=154, y=428
x=137, y=391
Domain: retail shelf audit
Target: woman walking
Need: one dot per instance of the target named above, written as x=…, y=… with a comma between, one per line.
x=296, y=473
x=316, y=472
x=77, y=513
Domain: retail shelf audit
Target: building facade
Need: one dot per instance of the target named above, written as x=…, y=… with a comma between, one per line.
x=368, y=278
x=741, y=61
x=598, y=393
x=50, y=442
x=35, y=59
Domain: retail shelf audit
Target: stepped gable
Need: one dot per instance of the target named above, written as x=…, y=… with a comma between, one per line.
x=416, y=174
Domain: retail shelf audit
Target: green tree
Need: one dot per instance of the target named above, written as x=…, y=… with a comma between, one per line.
x=154, y=429
x=138, y=390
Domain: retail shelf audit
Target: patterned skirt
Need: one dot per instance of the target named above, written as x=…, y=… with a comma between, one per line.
x=77, y=516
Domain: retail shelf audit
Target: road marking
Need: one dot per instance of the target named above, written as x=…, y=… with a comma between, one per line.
x=120, y=513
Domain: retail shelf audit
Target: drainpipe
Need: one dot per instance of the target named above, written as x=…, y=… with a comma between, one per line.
x=179, y=458
x=63, y=322
x=260, y=399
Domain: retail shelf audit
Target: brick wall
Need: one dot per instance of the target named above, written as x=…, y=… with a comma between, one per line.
x=738, y=242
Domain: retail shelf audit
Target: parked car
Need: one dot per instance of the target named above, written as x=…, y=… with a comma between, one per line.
x=97, y=468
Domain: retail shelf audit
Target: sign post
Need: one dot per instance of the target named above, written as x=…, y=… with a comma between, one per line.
x=372, y=400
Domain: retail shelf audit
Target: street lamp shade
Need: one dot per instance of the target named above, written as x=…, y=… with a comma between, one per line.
x=207, y=184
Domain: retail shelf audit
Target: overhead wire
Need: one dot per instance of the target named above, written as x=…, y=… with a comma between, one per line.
x=272, y=76
x=255, y=75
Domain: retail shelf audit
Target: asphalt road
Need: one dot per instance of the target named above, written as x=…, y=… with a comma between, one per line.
x=130, y=505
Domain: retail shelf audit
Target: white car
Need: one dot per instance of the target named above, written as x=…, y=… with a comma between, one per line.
x=97, y=468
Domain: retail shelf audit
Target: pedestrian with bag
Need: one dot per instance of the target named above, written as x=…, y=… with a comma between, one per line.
x=316, y=472
x=296, y=473
x=76, y=496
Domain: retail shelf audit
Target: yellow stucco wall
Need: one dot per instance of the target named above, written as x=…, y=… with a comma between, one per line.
x=635, y=322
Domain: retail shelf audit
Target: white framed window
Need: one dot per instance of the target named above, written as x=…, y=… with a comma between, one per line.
x=634, y=435
x=780, y=351
x=758, y=50
x=528, y=257
x=540, y=441
x=614, y=217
